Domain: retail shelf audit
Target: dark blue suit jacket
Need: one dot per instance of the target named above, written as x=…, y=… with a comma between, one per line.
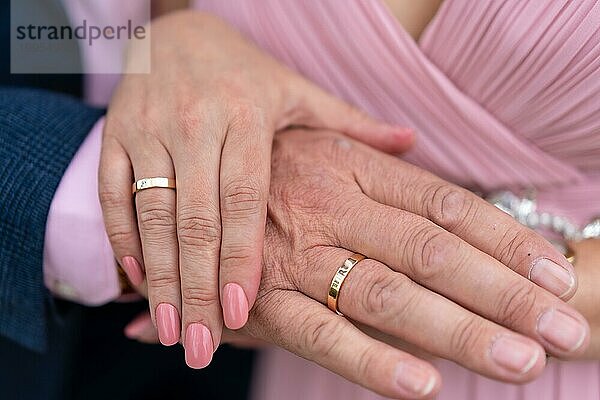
x=39, y=134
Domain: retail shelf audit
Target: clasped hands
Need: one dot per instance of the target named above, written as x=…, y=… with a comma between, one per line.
x=447, y=274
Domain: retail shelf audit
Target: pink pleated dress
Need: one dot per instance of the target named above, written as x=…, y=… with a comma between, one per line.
x=503, y=95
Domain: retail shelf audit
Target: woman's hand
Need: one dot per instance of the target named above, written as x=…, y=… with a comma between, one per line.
x=205, y=116
x=446, y=273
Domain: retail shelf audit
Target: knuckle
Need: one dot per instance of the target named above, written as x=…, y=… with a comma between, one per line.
x=516, y=304
x=190, y=116
x=119, y=229
x=387, y=293
x=435, y=253
x=120, y=235
x=233, y=255
x=320, y=335
x=247, y=115
x=156, y=216
x=194, y=115
x=199, y=297
x=465, y=336
x=112, y=198
x=242, y=197
x=366, y=362
x=198, y=228
x=515, y=246
x=159, y=278
x=449, y=206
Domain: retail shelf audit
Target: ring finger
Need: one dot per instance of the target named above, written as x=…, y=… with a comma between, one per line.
x=374, y=295
x=156, y=208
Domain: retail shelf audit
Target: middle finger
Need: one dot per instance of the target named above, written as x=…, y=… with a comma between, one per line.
x=197, y=166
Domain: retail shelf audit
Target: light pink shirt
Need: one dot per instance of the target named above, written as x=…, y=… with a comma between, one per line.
x=78, y=260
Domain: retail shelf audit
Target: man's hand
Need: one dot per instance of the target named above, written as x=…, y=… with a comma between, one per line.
x=446, y=272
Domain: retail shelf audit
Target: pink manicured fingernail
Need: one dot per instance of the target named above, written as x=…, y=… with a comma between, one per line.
x=168, y=324
x=414, y=380
x=515, y=354
x=552, y=277
x=198, y=346
x=133, y=269
x=562, y=330
x=235, y=306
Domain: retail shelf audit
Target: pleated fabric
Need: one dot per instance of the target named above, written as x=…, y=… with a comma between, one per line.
x=503, y=95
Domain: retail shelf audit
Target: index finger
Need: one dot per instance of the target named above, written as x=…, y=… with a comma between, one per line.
x=469, y=217
x=244, y=177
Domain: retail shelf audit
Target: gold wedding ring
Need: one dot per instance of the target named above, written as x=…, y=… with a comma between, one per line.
x=338, y=281
x=570, y=255
x=148, y=183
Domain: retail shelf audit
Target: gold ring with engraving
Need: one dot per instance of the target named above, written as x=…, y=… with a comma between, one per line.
x=338, y=280
x=156, y=182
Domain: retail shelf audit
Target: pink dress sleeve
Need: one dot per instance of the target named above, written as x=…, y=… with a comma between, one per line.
x=78, y=259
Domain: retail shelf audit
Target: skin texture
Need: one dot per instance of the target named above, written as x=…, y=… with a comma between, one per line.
x=414, y=16
x=429, y=270
x=587, y=298
x=206, y=115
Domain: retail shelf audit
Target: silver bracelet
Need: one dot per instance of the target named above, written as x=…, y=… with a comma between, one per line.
x=524, y=210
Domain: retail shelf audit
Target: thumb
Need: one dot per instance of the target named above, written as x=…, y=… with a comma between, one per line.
x=316, y=108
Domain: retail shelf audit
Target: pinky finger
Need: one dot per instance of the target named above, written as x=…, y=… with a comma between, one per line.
x=142, y=329
x=315, y=333
x=114, y=180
